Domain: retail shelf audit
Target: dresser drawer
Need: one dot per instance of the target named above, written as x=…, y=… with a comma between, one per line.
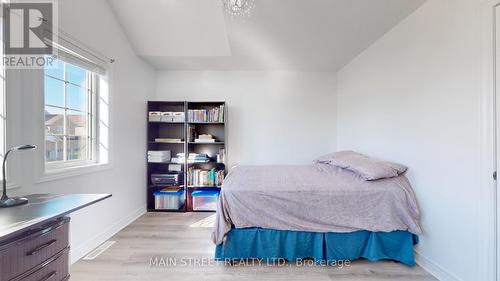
x=55, y=269
x=33, y=249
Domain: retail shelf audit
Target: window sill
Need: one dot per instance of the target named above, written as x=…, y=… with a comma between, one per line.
x=62, y=173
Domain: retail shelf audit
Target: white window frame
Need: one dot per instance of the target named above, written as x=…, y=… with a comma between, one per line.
x=61, y=169
x=92, y=112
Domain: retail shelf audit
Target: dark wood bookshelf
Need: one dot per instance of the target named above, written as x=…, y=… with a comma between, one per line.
x=179, y=130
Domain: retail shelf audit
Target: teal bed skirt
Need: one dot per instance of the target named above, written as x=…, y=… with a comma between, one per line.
x=269, y=244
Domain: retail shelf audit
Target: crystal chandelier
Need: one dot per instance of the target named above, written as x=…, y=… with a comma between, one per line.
x=238, y=7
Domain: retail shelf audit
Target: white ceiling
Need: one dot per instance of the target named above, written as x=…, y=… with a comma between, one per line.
x=293, y=35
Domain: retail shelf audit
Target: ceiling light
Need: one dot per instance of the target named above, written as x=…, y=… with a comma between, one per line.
x=238, y=7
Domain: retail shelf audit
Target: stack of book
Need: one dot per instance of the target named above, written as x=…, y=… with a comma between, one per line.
x=205, y=139
x=198, y=158
x=179, y=159
x=214, y=115
x=159, y=156
x=199, y=177
x=192, y=158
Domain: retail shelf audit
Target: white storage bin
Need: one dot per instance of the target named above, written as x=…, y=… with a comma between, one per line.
x=205, y=200
x=166, y=117
x=178, y=116
x=154, y=116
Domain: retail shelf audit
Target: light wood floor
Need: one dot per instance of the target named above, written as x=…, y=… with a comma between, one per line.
x=168, y=235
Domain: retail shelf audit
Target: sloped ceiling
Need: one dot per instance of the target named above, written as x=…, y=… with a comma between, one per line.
x=292, y=35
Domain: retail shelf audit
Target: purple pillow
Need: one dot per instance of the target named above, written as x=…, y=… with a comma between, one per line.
x=366, y=167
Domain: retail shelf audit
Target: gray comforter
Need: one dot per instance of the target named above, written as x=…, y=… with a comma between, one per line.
x=317, y=198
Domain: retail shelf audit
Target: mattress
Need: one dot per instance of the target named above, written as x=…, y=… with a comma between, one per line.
x=313, y=198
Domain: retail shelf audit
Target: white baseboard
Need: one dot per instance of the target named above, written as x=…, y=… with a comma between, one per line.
x=79, y=251
x=434, y=269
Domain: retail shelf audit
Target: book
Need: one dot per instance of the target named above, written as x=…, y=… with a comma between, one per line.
x=213, y=115
x=205, y=137
x=208, y=178
x=192, y=158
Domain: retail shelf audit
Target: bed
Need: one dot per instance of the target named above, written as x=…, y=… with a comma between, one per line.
x=321, y=211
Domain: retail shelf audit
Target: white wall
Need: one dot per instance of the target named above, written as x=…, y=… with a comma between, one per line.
x=132, y=82
x=413, y=97
x=273, y=117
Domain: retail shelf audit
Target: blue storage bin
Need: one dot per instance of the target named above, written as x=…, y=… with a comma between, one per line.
x=205, y=200
x=169, y=200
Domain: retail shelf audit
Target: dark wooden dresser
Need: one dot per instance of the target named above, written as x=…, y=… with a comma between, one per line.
x=34, y=238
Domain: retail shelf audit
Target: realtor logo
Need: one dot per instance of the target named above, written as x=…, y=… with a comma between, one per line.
x=28, y=33
x=25, y=28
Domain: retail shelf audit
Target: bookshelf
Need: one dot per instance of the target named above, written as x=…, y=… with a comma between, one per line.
x=194, y=124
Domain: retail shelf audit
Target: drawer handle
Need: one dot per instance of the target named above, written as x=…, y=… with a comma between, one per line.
x=41, y=247
x=52, y=275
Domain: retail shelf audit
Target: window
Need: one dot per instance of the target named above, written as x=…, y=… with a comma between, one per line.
x=71, y=94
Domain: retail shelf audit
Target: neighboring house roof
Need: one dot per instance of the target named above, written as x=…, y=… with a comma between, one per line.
x=76, y=120
x=52, y=120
